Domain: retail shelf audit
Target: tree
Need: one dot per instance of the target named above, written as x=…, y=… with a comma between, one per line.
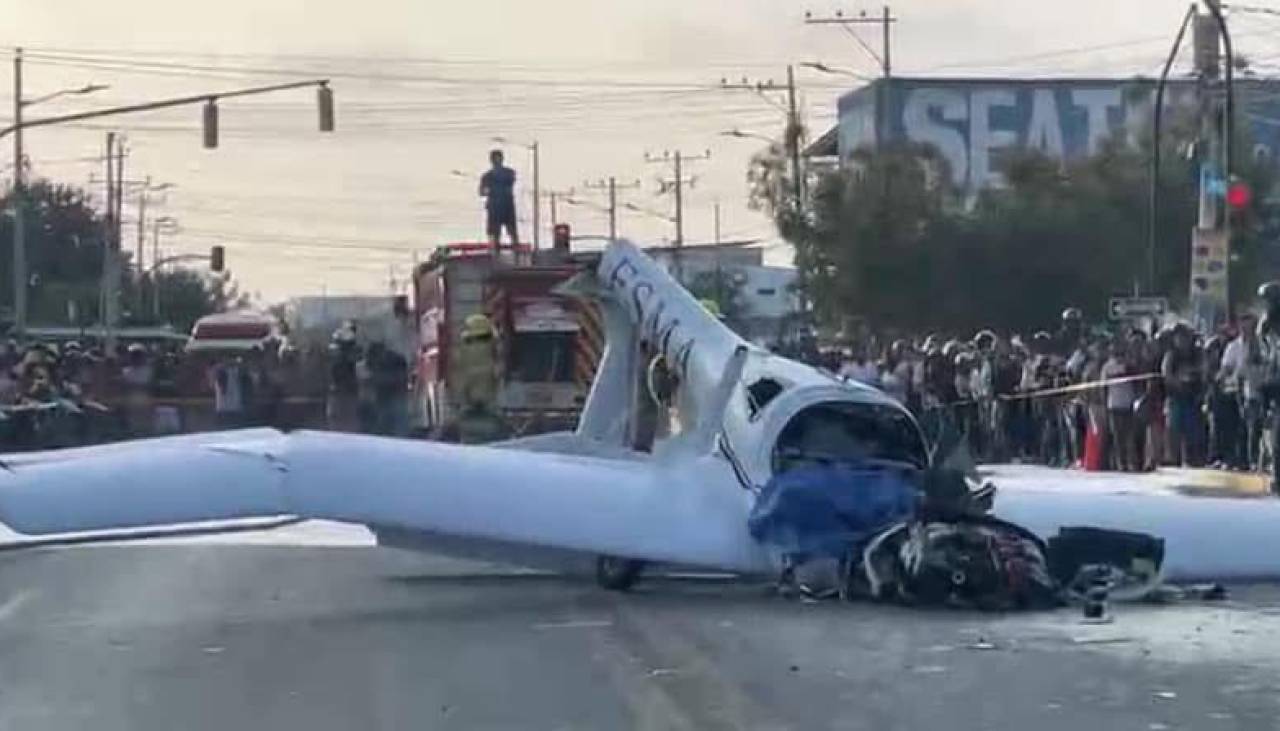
x=870, y=239
x=64, y=253
x=186, y=295
x=64, y=238
x=885, y=237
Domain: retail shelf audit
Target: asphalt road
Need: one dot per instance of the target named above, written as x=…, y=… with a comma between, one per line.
x=219, y=635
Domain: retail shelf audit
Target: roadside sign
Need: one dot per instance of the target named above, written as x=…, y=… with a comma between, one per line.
x=1126, y=308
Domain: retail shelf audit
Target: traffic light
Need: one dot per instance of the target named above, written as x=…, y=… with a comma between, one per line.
x=1239, y=195
x=324, y=101
x=217, y=258
x=560, y=236
x=211, y=124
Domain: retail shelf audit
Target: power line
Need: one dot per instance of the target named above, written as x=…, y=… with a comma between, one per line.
x=578, y=83
x=1040, y=55
x=565, y=64
x=393, y=245
x=854, y=34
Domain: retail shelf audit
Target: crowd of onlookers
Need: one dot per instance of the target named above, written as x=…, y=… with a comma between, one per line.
x=1121, y=398
x=72, y=393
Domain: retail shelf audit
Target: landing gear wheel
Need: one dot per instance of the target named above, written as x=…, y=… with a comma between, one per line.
x=617, y=574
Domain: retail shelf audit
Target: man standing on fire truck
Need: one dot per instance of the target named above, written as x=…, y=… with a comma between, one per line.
x=497, y=186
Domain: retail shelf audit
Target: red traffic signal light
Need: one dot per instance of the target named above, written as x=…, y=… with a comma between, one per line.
x=217, y=259
x=560, y=236
x=1239, y=195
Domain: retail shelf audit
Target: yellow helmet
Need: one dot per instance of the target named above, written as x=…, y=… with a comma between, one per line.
x=476, y=326
x=712, y=307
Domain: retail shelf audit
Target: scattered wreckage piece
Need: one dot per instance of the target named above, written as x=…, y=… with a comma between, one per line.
x=928, y=539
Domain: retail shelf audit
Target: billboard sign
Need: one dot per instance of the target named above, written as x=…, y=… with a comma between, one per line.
x=972, y=122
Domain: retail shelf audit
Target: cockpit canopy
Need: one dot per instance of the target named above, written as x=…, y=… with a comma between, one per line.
x=849, y=432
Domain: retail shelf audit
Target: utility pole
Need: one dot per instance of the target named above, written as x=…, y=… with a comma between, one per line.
x=885, y=21
x=1210, y=240
x=19, y=206
x=613, y=209
x=794, y=130
x=554, y=196
x=793, y=138
x=678, y=159
x=108, y=225
x=155, y=274
x=717, y=222
x=142, y=242
x=611, y=186
x=111, y=252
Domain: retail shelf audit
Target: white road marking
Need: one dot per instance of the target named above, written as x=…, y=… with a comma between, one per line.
x=14, y=603
x=576, y=624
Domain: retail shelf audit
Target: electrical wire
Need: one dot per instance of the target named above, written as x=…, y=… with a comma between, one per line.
x=1008, y=61
x=330, y=73
x=566, y=64
x=869, y=51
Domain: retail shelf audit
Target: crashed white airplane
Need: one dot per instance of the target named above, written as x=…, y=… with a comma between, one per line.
x=556, y=500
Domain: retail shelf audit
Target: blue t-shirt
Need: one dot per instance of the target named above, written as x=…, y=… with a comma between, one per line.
x=499, y=184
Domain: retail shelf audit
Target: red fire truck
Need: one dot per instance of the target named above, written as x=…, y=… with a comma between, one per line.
x=546, y=346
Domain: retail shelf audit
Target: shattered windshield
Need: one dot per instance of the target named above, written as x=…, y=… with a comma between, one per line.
x=841, y=432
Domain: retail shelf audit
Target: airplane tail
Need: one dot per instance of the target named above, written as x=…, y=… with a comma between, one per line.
x=647, y=310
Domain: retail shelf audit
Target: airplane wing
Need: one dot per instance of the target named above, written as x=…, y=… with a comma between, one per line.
x=1211, y=531
x=693, y=513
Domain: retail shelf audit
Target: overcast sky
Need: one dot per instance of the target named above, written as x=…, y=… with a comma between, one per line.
x=422, y=87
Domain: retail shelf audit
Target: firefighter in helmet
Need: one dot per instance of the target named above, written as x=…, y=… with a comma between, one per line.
x=478, y=420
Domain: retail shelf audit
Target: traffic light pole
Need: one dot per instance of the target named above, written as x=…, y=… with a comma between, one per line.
x=20, y=125
x=155, y=269
x=20, y=278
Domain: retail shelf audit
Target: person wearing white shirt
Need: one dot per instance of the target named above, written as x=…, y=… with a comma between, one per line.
x=1241, y=376
x=862, y=370
x=1120, y=417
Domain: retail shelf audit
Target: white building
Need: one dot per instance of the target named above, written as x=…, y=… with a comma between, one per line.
x=767, y=291
x=317, y=317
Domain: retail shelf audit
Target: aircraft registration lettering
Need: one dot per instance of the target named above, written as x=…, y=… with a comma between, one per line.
x=653, y=327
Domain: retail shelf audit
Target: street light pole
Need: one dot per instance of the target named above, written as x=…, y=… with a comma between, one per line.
x=537, y=198
x=19, y=201
x=1157, y=131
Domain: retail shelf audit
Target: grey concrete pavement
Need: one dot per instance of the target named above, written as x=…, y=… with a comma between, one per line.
x=215, y=636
